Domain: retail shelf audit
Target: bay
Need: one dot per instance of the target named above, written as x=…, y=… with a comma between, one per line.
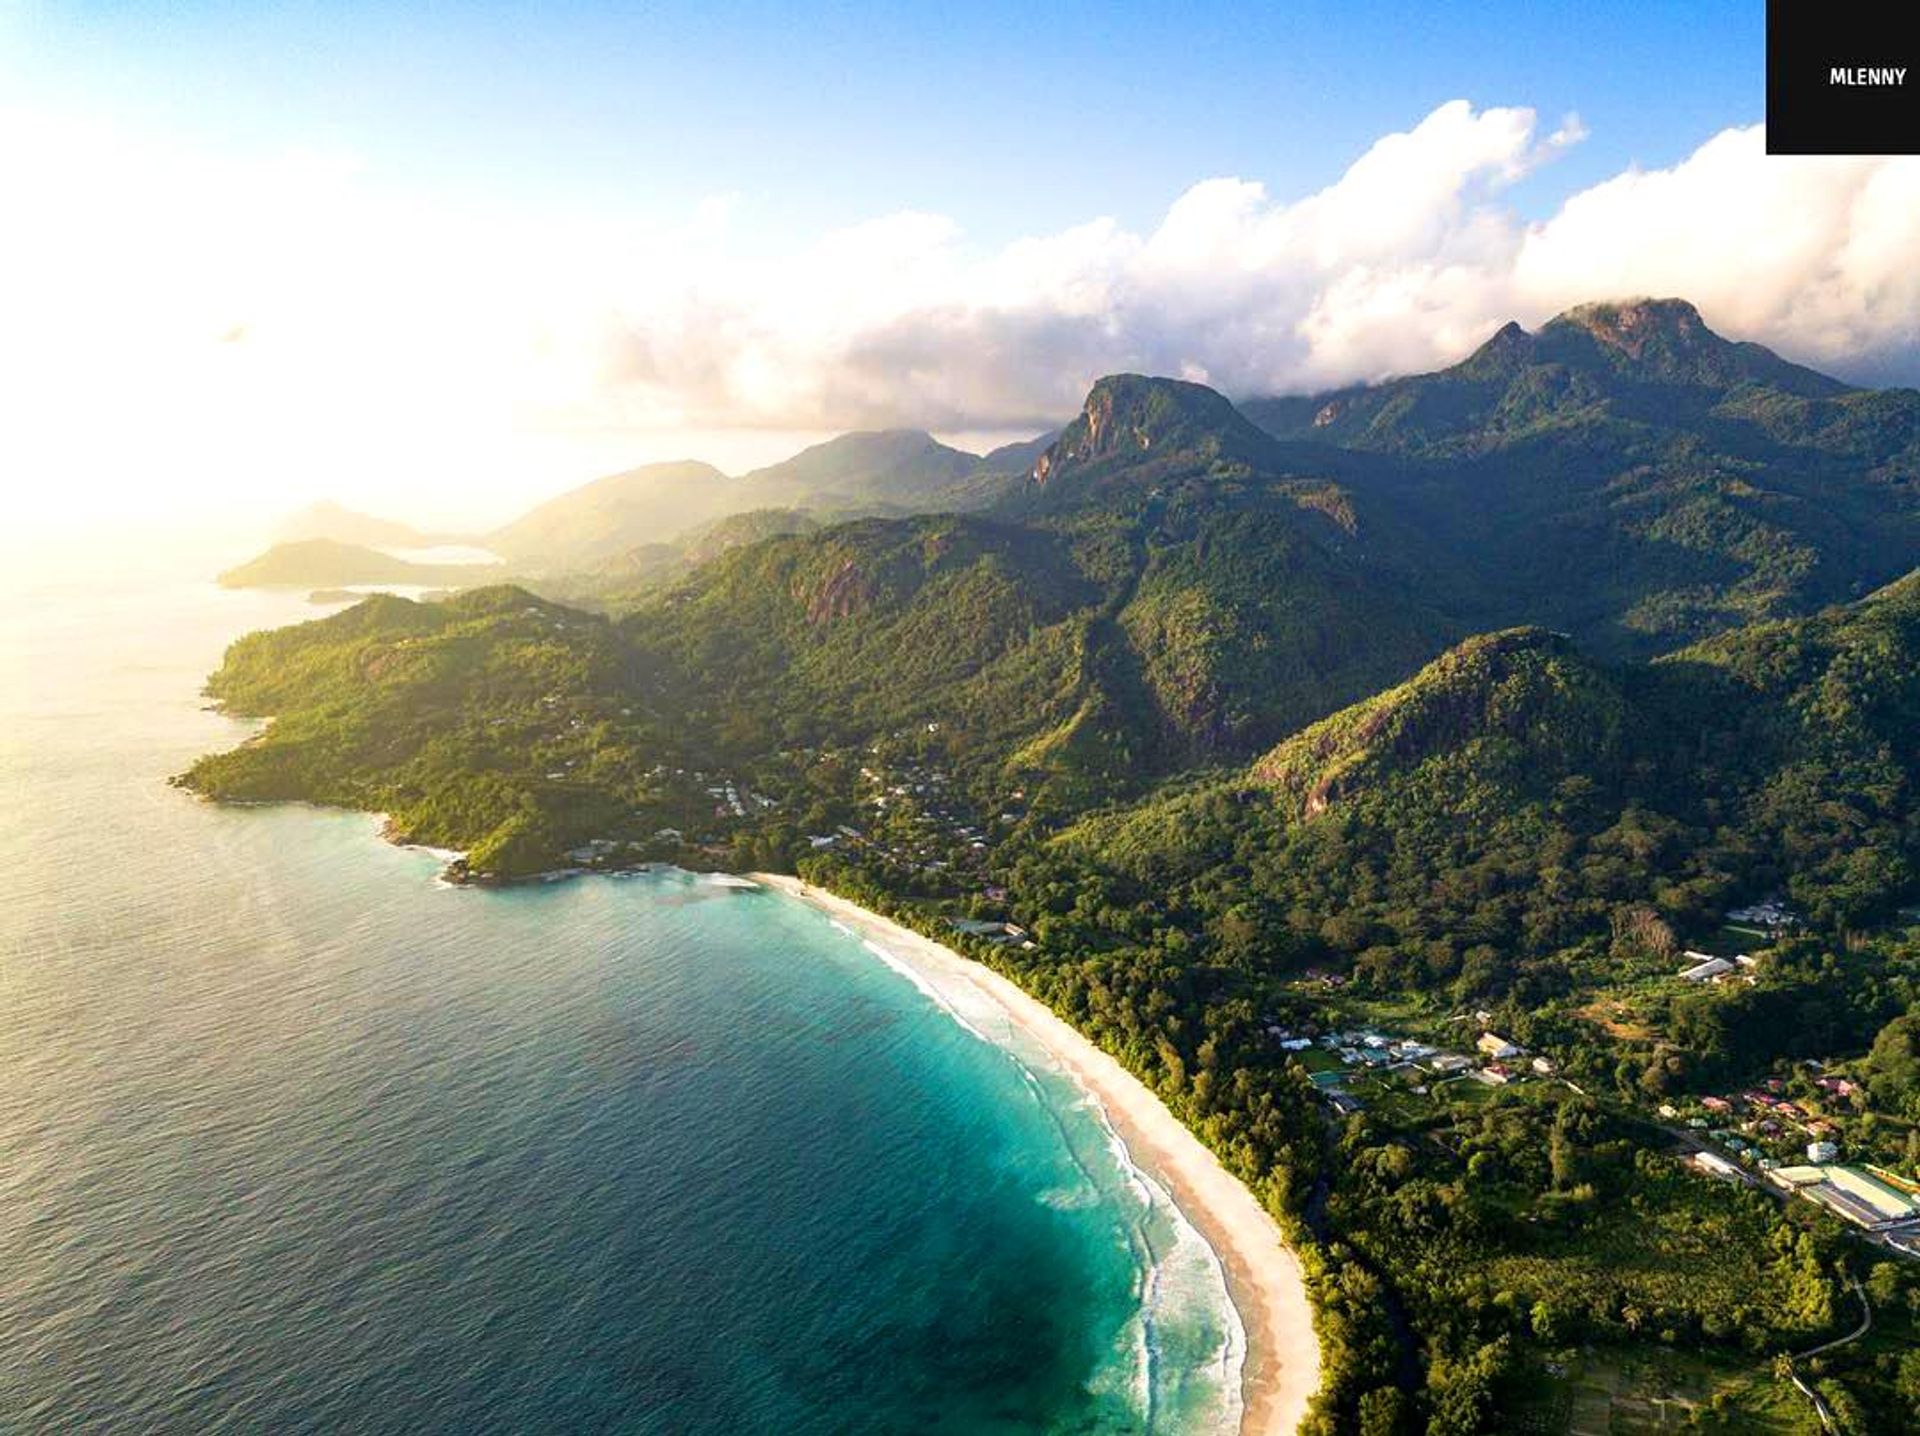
x=293, y=1137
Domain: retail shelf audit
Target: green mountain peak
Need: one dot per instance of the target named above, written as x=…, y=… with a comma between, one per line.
x=1132, y=416
x=1526, y=690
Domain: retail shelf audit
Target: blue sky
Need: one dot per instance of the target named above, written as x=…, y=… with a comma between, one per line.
x=436, y=258
x=1014, y=118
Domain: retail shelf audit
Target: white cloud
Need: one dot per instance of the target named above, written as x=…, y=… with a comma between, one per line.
x=1811, y=255
x=284, y=309
x=1405, y=262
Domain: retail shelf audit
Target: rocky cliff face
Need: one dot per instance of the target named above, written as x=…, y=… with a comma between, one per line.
x=845, y=592
x=1635, y=326
x=1128, y=417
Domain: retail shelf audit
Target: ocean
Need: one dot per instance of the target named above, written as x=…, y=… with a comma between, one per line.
x=295, y=1138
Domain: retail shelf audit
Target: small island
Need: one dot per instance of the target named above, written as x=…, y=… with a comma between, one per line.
x=329, y=563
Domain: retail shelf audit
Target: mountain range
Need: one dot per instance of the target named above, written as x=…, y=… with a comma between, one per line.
x=632, y=526
x=1624, y=475
x=1171, y=579
x=1627, y=475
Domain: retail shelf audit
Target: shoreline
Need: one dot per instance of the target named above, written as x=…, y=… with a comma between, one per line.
x=1263, y=1276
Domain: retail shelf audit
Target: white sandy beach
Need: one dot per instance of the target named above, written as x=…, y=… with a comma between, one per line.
x=1264, y=1279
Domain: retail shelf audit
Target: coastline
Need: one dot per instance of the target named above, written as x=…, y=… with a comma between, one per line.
x=1264, y=1278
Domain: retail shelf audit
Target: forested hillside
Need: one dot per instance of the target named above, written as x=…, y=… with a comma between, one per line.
x=1627, y=475
x=1470, y=828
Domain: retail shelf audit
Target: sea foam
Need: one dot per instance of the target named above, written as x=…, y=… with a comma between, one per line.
x=1180, y=1359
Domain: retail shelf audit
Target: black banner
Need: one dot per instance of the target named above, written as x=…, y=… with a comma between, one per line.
x=1843, y=78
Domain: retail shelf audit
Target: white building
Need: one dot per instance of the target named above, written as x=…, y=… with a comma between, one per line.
x=1711, y=968
x=1715, y=1165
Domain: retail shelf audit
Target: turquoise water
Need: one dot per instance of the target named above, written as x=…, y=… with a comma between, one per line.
x=294, y=1138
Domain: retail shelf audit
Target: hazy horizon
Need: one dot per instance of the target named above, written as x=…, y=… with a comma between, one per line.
x=434, y=270
x=542, y=467
x=87, y=542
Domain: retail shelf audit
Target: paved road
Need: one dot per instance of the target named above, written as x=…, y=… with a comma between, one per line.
x=1866, y=1325
x=1820, y=1407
